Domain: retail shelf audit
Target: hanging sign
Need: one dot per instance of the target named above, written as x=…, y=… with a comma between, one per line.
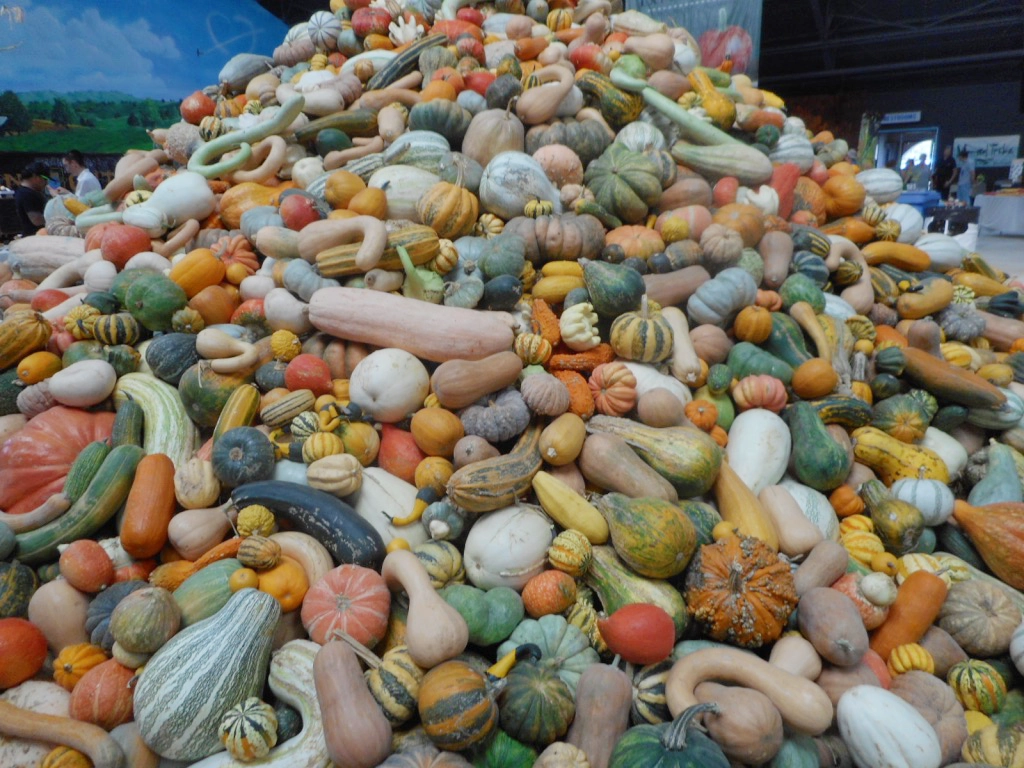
x=892, y=118
x=989, y=151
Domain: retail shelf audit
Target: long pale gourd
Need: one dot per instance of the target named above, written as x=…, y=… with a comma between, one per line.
x=429, y=331
x=168, y=428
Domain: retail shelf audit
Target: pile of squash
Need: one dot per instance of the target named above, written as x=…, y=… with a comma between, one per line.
x=583, y=405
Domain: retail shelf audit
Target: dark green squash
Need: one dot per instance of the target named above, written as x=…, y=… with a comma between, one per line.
x=170, y=355
x=847, y=411
x=105, y=301
x=810, y=239
x=10, y=387
x=890, y=360
x=949, y=417
x=502, y=255
x=799, y=287
x=205, y=392
x=17, y=585
x=270, y=375
x=490, y=615
x=504, y=89
x=704, y=518
x=153, y=299
x=535, y=706
x=745, y=359
x=129, y=423
x=810, y=265
x=818, y=460
x=242, y=455
x=786, y=340
x=124, y=280
x=624, y=182
x=649, y=705
x=448, y=118
x=502, y=293
x=613, y=288
x=719, y=378
x=901, y=416
x=885, y=385
x=8, y=541
x=503, y=751
x=124, y=358
x=677, y=744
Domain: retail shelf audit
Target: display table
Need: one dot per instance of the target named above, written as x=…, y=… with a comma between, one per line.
x=1001, y=214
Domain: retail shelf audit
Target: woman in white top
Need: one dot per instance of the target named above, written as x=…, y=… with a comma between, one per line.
x=85, y=181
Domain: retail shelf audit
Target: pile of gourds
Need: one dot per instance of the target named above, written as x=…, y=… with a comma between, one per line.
x=494, y=385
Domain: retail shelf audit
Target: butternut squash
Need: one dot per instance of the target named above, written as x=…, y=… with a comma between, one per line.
x=608, y=462
x=794, y=653
x=459, y=383
x=738, y=505
x=603, y=697
x=825, y=563
x=797, y=534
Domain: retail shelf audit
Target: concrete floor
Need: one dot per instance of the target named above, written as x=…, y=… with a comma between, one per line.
x=1005, y=253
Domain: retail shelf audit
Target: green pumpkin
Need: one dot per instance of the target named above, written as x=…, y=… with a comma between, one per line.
x=624, y=182
x=752, y=262
x=17, y=585
x=503, y=751
x=504, y=89
x=797, y=751
x=901, y=416
x=124, y=358
x=205, y=392
x=885, y=385
x=799, y=287
x=125, y=279
x=153, y=300
x=242, y=455
x=169, y=355
x=811, y=265
x=535, y=706
x=87, y=349
x=270, y=375
x=677, y=744
x=442, y=116
x=651, y=536
x=104, y=301
x=890, y=360
x=502, y=255
x=768, y=135
x=490, y=615
x=588, y=138
x=612, y=288
x=563, y=647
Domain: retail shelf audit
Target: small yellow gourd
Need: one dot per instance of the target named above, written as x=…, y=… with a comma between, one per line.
x=910, y=656
x=255, y=520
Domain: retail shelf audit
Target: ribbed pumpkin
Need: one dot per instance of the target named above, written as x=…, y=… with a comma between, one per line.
x=614, y=388
x=320, y=445
x=808, y=196
x=20, y=334
x=65, y=757
x=536, y=705
x=455, y=706
x=249, y=729
x=910, y=656
x=73, y=661
x=679, y=743
x=746, y=220
x=978, y=685
x=102, y=697
x=197, y=270
x=753, y=324
x=740, y=592
x=844, y=196
x=449, y=209
x=624, y=182
x=258, y=552
x=349, y=598
x=644, y=336
x=980, y=617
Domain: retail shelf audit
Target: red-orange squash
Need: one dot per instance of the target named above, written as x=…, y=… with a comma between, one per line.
x=747, y=220
x=103, y=696
x=349, y=598
x=808, y=196
x=22, y=651
x=36, y=459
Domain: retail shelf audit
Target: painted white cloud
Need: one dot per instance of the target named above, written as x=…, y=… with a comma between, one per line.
x=84, y=50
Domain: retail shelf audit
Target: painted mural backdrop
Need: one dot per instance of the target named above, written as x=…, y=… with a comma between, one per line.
x=723, y=28
x=94, y=75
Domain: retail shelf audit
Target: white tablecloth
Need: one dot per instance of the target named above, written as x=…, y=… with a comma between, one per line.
x=1001, y=214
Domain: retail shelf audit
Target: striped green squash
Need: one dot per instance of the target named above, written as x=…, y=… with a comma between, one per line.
x=650, y=707
x=644, y=336
x=168, y=428
x=206, y=591
x=203, y=671
x=17, y=584
x=395, y=684
x=978, y=685
x=84, y=469
x=536, y=705
x=442, y=561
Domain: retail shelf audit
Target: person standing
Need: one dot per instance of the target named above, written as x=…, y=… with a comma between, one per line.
x=943, y=176
x=30, y=198
x=85, y=180
x=924, y=173
x=909, y=174
x=964, y=176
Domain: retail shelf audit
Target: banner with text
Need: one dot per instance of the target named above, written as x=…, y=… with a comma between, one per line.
x=724, y=29
x=989, y=151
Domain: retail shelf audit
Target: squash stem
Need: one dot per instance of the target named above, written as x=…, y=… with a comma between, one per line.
x=372, y=660
x=674, y=737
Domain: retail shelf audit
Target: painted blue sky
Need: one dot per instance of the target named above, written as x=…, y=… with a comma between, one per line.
x=160, y=50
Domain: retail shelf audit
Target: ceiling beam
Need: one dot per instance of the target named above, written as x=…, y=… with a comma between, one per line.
x=828, y=54
x=955, y=62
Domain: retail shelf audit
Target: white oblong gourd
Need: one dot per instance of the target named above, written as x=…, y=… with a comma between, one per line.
x=648, y=377
x=883, y=731
x=758, y=449
x=83, y=384
x=507, y=547
x=932, y=497
x=815, y=506
x=389, y=384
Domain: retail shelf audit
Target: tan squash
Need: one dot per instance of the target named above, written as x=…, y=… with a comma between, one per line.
x=794, y=653
x=831, y=622
x=825, y=563
x=738, y=505
x=608, y=462
x=797, y=534
x=603, y=697
x=562, y=439
x=460, y=383
x=747, y=726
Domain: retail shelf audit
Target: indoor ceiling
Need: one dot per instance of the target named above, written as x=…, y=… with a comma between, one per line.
x=817, y=46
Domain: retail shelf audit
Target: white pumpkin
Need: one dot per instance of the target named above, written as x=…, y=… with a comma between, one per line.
x=381, y=498
x=510, y=181
x=507, y=547
x=83, y=384
x=910, y=219
x=1017, y=647
x=37, y=696
x=944, y=251
x=883, y=185
x=815, y=506
x=99, y=275
x=883, y=731
x=290, y=472
x=389, y=384
x=948, y=448
x=932, y=497
x=793, y=148
x=403, y=185
x=758, y=449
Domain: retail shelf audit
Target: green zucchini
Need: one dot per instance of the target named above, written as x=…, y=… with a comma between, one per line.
x=347, y=536
x=104, y=496
x=84, y=469
x=786, y=341
x=403, y=63
x=128, y=425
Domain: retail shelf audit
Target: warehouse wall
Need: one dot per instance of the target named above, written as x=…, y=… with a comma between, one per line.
x=991, y=109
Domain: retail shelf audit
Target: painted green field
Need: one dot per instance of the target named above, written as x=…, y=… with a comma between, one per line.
x=109, y=136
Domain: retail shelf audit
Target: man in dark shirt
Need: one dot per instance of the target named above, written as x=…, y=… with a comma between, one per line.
x=30, y=200
x=944, y=172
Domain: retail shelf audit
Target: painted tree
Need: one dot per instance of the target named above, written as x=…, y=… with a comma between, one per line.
x=63, y=113
x=18, y=118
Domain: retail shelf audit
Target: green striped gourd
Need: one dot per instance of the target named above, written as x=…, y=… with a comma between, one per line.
x=395, y=684
x=168, y=429
x=978, y=685
x=203, y=671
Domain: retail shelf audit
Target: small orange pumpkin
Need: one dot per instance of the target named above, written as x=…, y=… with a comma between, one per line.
x=703, y=414
x=760, y=391
x=635, y=240
x=753, y=324
x=549, y=592
x=844, y=195
x=747, y=220
x=449, y=209
x=286, y=582
x=845, y=501
x=770, y=300
x=73, y=661
x=436, y=431
x=341, y=187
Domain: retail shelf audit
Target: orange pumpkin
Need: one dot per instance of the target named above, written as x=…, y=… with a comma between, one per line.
x=436, y=431
x=844, y=196
x=372, y=201
x=703, y=414
x=747, y=220
x=349, y=598
x=215, y=304
x=549, y=592
x=22, y=651
x=815, y=378
x=73, y=661
x=86, y=566
x=753, y=324
x=846, y=501
x=760, y=391
x=103, y=696
x=770, y=300
x=809, y=197
x=613, y=386
x=238, y=257
x=449, y=209
x=286, y=582
x=241, y=197
x=635, y=240
x=196, y=270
